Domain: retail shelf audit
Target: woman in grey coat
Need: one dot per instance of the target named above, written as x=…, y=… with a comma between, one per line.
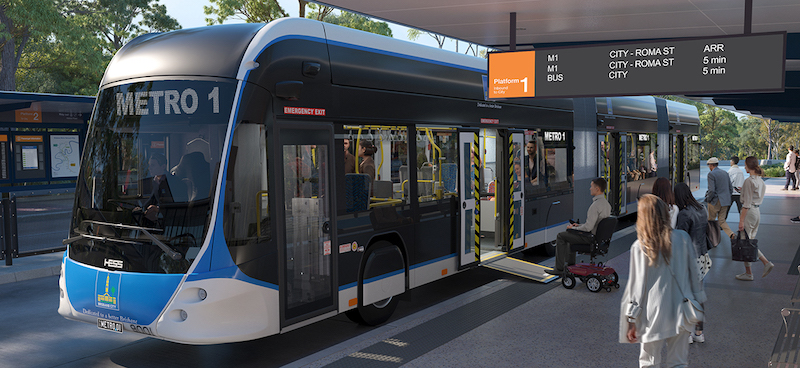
x=662, y=268
x=692, y=218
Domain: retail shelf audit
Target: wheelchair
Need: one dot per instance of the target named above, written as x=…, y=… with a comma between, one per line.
x=596, y=276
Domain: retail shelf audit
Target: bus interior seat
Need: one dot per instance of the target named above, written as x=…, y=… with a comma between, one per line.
x=425, y=187
x=194, y=171
x=382, y=189
x=450, y=177
x=356, y=192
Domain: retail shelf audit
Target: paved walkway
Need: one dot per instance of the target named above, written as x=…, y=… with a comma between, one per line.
x=578, y=328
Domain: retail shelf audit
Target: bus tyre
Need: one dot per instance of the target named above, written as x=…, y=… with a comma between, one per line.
x=378, y=256
x=550, y=248
x=375, y=313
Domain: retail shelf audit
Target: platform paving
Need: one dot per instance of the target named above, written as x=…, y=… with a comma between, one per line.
x=578, y=328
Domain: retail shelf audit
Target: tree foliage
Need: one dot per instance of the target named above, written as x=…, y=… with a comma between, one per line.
x=351, y=20
x=23, y=22
x=250, y=11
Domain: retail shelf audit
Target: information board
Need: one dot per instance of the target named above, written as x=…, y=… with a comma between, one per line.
x=749, y=63
x=65, y=155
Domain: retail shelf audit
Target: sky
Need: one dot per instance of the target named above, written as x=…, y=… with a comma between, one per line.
x=189, y=14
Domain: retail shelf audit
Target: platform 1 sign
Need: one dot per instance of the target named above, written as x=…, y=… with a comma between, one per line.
x=749, y=63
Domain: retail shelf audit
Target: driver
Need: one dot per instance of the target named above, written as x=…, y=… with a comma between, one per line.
x=157, y=186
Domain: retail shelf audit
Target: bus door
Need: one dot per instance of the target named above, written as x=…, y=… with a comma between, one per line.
x=308, y=275
x=492, y=202
x=516, y=202
x=468, y=189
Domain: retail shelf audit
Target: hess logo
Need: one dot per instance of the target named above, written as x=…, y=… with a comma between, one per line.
x=113, y=263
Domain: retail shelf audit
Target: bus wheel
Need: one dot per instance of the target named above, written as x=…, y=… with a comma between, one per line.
x=380, y=256
x=375, y=313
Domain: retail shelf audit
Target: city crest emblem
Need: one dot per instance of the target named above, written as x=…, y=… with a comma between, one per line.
x=107, y=290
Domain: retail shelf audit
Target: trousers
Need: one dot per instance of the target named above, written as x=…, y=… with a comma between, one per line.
x=565, y=255
x=677, y=352
x=751, y=222
x=790, y=177
x=714, y=211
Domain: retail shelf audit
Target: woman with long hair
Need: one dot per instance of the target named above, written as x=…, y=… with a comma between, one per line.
x=663, y=189
x=662, y=266
x=752, y=196
x=366, y=151
x=693, y=219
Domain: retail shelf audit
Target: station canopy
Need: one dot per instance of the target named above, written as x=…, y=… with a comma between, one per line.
x=546, y=23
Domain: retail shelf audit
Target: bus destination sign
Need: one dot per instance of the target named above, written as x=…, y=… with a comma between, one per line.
x=749, y=63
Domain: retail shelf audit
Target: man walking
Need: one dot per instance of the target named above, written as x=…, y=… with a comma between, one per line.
x=718, y=195
x=789, y=168
x=598, y=210
x=737, y=180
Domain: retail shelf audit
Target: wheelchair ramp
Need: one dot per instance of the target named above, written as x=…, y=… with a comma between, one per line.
x=520, y=268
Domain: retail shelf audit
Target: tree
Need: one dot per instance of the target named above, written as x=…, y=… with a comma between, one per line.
x=116, y=21
x=718, y=129
x=414, y=34
x=22, y=22
x=250, y=11
x=750, y=140
x=319, y=12
x=355, y=21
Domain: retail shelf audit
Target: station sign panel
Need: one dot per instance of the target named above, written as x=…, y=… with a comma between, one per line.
x=748, y=63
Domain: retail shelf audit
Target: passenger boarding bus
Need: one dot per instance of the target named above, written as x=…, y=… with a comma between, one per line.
x=245, y=180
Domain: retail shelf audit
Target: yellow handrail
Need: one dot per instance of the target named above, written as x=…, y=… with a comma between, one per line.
x=358, y=147
x=259, y=196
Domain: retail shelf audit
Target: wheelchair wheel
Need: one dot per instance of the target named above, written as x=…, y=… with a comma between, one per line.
x=594, y=284
x=613, y=278
x=568, y=281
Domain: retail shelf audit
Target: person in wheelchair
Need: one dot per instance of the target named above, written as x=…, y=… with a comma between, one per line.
x=581, y=233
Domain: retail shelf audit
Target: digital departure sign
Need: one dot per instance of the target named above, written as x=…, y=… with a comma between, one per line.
x=749, y=63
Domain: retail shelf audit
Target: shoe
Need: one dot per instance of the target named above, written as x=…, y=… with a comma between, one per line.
x=554, y=272
x=767, y=269
x=691, y=340
x=795, y=188
x=745, y=277
x=796, y=220
x=698, y=338
x=785, y=189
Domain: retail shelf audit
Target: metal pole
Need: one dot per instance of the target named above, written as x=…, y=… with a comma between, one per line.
x=748, y=16
x=7, y=248
x=512, y=32
x=12, y=219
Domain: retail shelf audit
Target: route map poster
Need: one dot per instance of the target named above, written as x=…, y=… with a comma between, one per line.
x=65, y=156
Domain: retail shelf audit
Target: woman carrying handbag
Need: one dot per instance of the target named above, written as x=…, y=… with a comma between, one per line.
x=663, y=288
x=752, y=196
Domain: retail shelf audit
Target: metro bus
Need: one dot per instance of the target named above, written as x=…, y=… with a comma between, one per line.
x=214, y=202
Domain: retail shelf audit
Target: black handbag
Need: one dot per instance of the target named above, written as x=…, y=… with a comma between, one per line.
x=713, y=236
x=744, y=249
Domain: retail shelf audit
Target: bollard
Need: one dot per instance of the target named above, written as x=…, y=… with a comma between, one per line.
x=6, y=253
x=12, y=234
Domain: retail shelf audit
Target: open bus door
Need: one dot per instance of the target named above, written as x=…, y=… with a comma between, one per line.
x=499, y=200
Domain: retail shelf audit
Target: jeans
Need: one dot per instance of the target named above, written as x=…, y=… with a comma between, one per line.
x=790, y=177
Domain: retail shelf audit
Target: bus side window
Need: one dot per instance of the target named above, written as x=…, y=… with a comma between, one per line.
x=246, y=221
x=437, y=163
x=375, y=167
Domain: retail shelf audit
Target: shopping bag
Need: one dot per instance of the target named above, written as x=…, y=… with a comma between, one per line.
x=713, y=234
x=744, y=249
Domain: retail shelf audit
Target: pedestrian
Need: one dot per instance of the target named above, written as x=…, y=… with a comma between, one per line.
x=663, y=189
x=789, y=169
x=367, y=166
x=661, y=269
x=718, y=195
x=797, y=166
x=752, y=195
x=737, y=178
x=692, y=219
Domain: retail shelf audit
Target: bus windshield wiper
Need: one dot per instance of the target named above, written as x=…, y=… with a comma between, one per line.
x=146, y=231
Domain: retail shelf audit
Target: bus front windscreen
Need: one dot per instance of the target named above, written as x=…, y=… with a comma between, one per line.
x=148, y=175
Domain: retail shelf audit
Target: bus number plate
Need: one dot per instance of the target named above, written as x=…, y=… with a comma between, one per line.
x=107, y=325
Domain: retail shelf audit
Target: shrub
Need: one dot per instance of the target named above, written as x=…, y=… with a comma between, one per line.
x=772, y=171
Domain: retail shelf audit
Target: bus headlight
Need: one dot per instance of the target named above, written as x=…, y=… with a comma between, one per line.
x=202, y=294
